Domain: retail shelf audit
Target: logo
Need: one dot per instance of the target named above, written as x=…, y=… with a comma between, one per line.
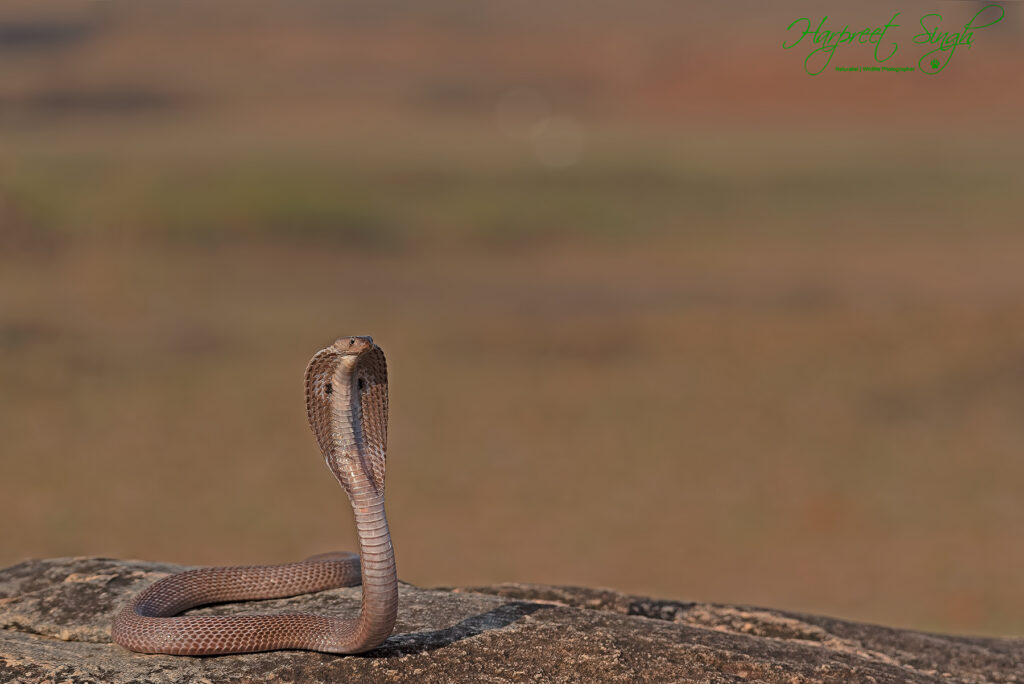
x=937, y=46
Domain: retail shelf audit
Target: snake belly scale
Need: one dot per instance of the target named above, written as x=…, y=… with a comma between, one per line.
x=347, y=406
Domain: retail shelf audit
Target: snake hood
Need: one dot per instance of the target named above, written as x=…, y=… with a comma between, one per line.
x=347, y=406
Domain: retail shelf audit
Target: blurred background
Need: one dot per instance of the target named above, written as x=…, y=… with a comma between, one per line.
x=663, y=313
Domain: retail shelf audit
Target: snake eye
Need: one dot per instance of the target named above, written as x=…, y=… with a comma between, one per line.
x=328, y=389
x=362, y=384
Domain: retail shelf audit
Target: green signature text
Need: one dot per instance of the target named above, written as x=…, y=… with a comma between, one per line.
x=825, y=42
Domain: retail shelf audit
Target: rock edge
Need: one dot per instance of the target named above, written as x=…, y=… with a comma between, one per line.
x=55, y=616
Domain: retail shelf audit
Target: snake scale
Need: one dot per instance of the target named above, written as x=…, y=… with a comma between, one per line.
x=347, y=407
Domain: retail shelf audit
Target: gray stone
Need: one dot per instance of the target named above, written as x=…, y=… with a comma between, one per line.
x=55, y=617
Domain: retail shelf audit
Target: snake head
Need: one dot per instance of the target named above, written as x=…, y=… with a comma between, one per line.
x=352, y=346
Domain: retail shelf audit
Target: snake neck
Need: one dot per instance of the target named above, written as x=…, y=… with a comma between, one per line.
x=377, y=565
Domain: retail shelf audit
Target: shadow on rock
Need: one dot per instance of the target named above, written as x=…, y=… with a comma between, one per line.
x=420, y=642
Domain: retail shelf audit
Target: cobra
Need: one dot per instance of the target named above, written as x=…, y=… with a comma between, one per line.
x=347, y=406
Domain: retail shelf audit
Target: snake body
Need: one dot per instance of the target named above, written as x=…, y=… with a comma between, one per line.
x=347, y=407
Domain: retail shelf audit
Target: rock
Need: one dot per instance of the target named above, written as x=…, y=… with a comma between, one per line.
x=56, y=615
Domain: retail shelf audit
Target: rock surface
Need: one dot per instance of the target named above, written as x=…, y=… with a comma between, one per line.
x=56, y=615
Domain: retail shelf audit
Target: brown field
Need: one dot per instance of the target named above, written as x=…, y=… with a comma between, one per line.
x=755, y=345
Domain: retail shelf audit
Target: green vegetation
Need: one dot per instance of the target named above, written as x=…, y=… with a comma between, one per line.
x=614, y=193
